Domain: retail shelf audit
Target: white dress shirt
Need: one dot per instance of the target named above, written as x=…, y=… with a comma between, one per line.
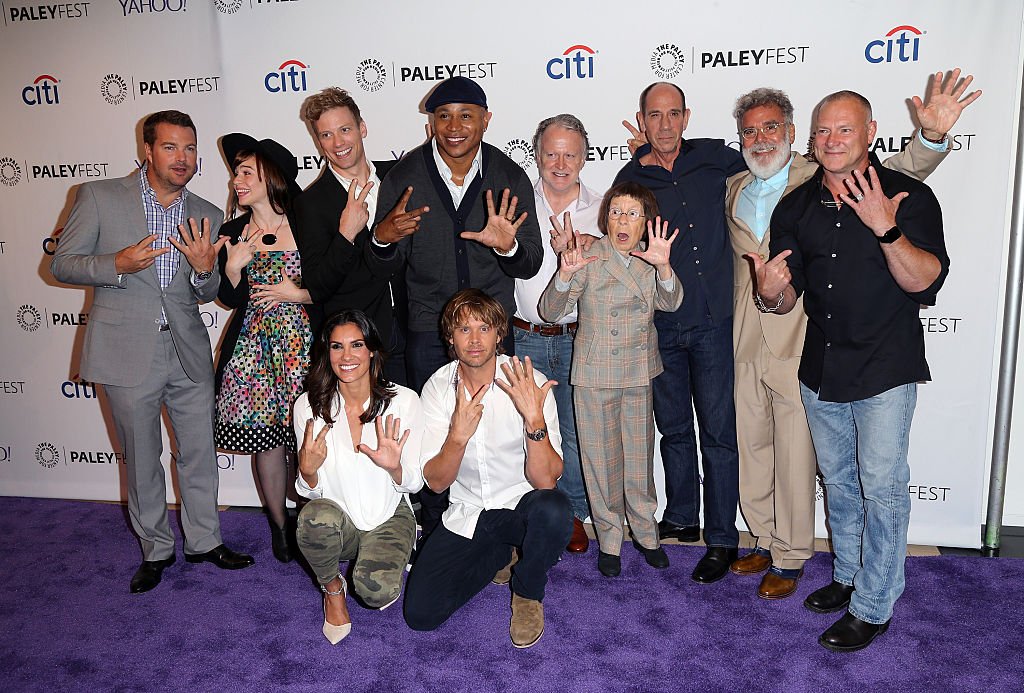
x=371, y=196
x=583, y=212
x=366, y=493
x=493, y=470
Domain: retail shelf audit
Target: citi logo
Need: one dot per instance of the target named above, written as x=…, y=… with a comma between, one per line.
x=42, y=92
x=78, y=389
x=901, y=44
x=576, y=62
x=290, y=76
x=50, y=242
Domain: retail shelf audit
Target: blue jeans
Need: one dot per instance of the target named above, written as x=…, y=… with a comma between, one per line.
x=862, y=453
x=699, y=360
x=552, y=356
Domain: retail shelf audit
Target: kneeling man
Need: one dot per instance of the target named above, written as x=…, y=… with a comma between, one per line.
x=493, y=442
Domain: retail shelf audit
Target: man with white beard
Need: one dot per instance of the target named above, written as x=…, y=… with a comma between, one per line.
x=777, y=462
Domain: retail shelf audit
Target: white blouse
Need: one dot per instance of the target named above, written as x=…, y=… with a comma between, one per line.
x=366, y=493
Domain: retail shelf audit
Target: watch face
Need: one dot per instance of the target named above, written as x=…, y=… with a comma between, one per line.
x=537, y=435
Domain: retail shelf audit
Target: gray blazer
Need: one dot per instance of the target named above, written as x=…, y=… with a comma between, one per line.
x=122, y=330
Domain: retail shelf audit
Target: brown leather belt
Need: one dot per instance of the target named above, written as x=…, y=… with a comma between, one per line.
x=546, y=330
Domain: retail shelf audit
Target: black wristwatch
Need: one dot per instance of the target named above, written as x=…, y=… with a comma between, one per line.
x=890, y=235
x=538, y=435
x=203, y=276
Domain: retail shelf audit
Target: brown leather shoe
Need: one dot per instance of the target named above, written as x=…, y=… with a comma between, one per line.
x=504, y=576
x=527, y=621
x=580, y=541
x=777, y=587
x=751, y=564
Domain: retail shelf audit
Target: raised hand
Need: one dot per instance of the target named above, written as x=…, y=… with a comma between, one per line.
x=466, y=416
x=524, y=392
x=773, y=276
x=240, y=253
x=571, y=260
x=135, y=258
x=196, y=245
x=659, y=247
x=943, y=105
x=271, y=295
x=500, y=231
x=390, y=442
x=399, y=223
x=561, y=233
x=637, y=135
x=313, y=451
x=356, y=213
x=868, y=200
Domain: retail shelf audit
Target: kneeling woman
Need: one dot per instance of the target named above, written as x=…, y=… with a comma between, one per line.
x=358, y=472
x=615, y=357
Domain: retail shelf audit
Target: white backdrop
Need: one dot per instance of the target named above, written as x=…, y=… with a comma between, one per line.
x=81, y=77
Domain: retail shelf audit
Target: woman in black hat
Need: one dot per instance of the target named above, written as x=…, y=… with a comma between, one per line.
x=264, y=355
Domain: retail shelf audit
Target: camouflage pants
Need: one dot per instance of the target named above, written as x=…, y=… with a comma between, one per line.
x=326, y=536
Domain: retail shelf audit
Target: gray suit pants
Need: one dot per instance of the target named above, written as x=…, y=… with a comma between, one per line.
x=136, y=413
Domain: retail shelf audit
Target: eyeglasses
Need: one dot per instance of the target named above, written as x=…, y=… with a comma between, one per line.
x=633, y=214
x=768, y=129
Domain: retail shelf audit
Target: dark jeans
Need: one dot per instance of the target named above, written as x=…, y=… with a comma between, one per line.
x=452, y=569
x=699, y=360
x=425, y=353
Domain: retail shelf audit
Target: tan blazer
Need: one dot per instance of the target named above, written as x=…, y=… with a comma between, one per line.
x=616, y=344
x=784, y=334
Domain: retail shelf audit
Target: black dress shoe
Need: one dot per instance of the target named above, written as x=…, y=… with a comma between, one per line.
x=832, y=597
x=849, y=634
x=655, y=558
x=715, y=564
x=609, y=565
x=279, y=543
x=687, y=533
x=222, y=557
x=148, y=575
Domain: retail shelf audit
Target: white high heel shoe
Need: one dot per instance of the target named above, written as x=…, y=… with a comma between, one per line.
x=333, y=633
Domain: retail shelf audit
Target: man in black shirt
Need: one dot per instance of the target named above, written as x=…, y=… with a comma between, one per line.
x=866, y=245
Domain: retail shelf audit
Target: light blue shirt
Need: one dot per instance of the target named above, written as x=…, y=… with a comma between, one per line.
x=757, y=200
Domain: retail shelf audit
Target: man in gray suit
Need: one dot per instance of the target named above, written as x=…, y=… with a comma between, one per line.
x=145, y=340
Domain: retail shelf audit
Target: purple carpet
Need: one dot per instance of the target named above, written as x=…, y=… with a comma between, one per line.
x=67, y=622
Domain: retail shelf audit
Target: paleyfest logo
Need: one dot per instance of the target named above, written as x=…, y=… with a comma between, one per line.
x=371, y=75
x=10, y=172
x=47, y=455
x=667, y=61
x=29, y=318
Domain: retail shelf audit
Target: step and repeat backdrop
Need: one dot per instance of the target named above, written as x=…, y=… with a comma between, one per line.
x=81, y=76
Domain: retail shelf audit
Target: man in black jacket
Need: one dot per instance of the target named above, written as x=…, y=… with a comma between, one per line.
x=332, y=217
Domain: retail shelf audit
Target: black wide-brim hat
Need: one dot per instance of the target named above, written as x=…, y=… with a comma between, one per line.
x=269, y=150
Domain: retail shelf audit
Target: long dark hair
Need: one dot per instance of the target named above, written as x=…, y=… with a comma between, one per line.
x=277, y=185
x=322, y=383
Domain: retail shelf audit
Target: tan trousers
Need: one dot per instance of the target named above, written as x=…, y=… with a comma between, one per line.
x=777, y=463
x=615, y=429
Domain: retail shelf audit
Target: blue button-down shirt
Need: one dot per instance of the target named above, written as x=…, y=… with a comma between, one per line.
x=757, y=200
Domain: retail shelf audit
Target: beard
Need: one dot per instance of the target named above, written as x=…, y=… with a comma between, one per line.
x=766, y=168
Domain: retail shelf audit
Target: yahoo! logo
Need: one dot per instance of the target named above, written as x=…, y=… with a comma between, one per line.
x=43, y=91
x=902, y=43
x=290, y=76
x=576, y=62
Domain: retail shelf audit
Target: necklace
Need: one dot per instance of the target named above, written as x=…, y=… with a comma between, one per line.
x=268, y=238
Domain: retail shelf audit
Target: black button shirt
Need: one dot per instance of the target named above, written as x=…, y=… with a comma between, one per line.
x=864, y=332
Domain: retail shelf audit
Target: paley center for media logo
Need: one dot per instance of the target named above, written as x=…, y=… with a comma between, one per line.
x=575, y=62
x=667, y=61
x=371, y=74
x=521, y=152
x=900, y=44
x=10, y=172
x=42, y=91
x=47, y=455
x=290, y=76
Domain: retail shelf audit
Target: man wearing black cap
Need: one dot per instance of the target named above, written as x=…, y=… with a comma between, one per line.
x=332, y=217
x=472, y=224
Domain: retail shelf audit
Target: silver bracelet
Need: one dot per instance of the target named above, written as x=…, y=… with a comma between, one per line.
x=765, y=309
